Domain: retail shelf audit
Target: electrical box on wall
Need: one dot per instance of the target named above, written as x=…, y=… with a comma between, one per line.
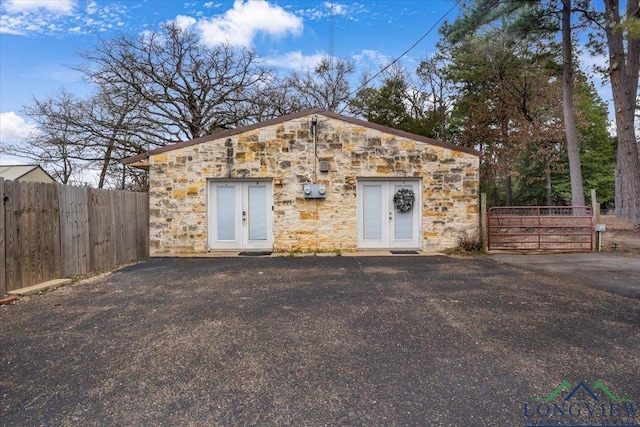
x=314, y=191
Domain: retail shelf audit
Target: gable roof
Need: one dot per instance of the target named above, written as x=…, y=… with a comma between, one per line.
x=15, y=172
x=231, y=132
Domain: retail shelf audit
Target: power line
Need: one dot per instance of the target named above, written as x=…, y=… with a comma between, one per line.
x=406, y=51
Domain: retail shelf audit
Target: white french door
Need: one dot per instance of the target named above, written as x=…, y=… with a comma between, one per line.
x=380, y=224
x=240, y=215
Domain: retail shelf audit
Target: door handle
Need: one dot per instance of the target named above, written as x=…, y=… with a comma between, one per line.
x=244, y=215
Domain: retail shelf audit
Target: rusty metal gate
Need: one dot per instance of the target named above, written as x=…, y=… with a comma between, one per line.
x=540, y=228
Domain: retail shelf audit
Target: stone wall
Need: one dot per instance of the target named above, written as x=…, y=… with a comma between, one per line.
x=178, y=184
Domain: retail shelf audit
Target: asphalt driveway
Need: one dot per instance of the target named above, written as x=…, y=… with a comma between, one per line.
x=315, y=341
x=615, y=272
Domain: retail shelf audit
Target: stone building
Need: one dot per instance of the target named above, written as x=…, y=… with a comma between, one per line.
x=310, y=181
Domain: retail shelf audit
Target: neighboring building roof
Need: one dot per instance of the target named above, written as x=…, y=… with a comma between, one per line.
x=231, y=132
x=25, y=173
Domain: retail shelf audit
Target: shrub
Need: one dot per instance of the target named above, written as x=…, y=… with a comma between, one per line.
x=469, y=244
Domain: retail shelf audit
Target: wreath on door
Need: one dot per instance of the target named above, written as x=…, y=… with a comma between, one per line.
x=404, y=199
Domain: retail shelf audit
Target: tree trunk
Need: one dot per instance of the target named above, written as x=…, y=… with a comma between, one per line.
x=106, y=161
x=494, y=193
x=575, y=171
x=623, y=71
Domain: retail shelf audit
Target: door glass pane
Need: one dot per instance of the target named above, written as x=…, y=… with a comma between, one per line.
x=258, y=213
x=372, y=211
x=403, y=227
x=226, y=210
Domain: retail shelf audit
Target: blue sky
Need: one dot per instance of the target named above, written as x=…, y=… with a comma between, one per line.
x=40, y=39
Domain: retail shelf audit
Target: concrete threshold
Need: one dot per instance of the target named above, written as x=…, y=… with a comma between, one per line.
x=362, y=253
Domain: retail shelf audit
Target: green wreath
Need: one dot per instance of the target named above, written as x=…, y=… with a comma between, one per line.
x=404, y=199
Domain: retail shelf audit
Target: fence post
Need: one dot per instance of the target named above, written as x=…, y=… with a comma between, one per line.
x=595, y=208
x=483, y=221
x=539, y=214
x=594, y=205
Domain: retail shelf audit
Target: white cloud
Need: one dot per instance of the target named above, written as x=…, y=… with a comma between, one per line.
x=368, y=56
x=92, y=8
x=185, y=22
x=14, y=128
x=240, y=24
x=336, y=8
x=350, y=12
x=55, y=6
x=295, y=60
x=25, y=17
x=11, y=25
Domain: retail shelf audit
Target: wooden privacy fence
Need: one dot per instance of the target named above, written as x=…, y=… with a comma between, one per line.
x=50, y=231
x=540, y=228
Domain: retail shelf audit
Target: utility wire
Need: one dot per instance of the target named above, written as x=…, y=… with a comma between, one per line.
x=406, y=51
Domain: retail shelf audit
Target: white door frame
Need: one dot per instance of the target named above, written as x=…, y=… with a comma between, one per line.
x=385, y=216
x=230, y=201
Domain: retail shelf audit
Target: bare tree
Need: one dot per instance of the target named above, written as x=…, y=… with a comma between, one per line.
x=59, y=146
x=274, y=98
x=434, y=82
x=326, y=86
x=186, y=90
x=150, y=90
x=112, y=122
x=75, y=135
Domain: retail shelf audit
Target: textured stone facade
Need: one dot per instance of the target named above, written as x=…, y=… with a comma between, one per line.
x=283, y=151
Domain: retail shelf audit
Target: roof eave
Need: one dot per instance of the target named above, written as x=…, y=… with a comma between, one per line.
x=140, y=164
